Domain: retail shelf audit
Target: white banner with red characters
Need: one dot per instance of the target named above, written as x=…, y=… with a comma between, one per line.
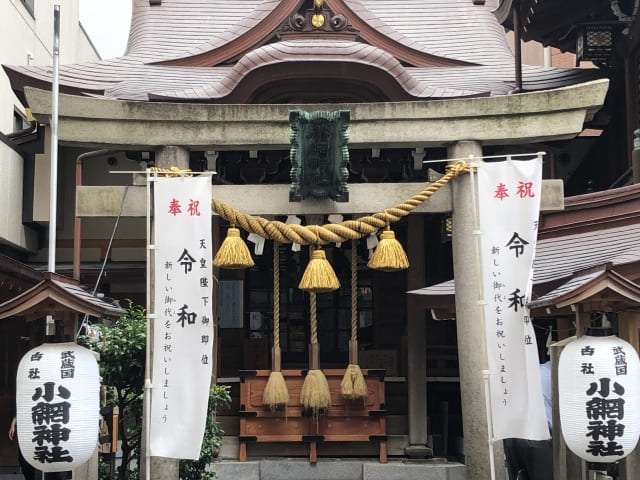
x=183, y=327
x=509, y=205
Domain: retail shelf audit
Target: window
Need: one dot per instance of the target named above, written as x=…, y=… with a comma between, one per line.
x=20, y=122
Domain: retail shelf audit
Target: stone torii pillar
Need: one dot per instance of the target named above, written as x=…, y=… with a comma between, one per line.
x=471, y=336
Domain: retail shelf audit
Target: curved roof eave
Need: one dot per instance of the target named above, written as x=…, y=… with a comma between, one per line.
x=39, y=77
x=296, y=51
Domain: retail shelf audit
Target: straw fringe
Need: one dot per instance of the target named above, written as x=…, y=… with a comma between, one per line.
x=275, y=391
x=315, y=395
x=354, y=386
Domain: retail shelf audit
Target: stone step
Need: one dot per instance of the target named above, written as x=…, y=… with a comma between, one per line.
x=338, y=469
x=229, y=449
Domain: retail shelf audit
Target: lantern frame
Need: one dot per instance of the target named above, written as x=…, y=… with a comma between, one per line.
x=595, y=42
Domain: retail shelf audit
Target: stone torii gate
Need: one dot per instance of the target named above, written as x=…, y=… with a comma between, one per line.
x=463, y=126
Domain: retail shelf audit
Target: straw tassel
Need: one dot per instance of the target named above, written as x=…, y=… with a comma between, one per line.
x=233, y=253
x=319, y=276
x=315, y=394
x=389, y=256
x=275, y=392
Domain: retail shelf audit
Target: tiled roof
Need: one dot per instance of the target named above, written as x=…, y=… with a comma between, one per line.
x=176, y=27
x=432, y=49
x=617, y=289
x=452, y=29
x=571, y=285
x=560, y=257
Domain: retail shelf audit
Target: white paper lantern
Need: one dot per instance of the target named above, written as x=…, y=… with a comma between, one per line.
x=599, y=396
x=58, y=406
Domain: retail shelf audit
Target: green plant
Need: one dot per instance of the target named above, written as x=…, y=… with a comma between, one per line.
x=122, y=349
x=197, y=469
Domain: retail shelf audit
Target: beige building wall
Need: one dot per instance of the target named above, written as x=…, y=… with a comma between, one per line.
x=533, y=54
x=27, y=40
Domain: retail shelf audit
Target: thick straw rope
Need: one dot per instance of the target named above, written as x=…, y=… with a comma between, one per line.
x=353, y=385
x=333, y=232
x=276, y=294
x=275, y=391
x=313, y=315
x=354, y=291
x=314, y=318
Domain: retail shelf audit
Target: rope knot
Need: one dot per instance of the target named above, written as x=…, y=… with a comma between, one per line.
x=172, y=171
x=458, y=167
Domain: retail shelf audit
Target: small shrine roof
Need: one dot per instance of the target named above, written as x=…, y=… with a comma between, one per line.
x=602, y=286
x=53, y=294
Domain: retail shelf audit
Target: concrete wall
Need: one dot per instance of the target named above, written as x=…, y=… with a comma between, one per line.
x=27, y=40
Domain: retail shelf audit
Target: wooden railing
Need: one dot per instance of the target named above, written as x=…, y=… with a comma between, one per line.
x=344, y=421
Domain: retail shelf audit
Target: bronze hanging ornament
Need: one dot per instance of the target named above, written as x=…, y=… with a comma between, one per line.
x=317, y=20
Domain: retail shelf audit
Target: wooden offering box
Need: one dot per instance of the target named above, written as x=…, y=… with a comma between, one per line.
x=345, y=420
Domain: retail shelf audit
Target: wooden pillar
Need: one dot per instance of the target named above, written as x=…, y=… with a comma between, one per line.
x=162, y=468
x=582, y=318
x=416, y=343
x=471, y=335
x=629, y=328
x=564, y=326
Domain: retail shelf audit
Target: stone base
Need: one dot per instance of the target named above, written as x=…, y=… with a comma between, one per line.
x=338, y=469
x=418, y=451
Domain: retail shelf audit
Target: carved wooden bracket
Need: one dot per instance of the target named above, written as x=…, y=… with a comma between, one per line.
x=318, y=19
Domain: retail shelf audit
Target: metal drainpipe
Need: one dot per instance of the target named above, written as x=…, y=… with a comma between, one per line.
x=517, y=47
x=77, y=225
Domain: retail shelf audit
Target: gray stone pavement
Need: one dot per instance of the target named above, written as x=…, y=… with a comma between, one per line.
x=343, y=469
x=325, y=469
x=9, y=473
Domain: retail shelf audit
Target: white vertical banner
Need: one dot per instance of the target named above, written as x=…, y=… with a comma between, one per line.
x=183, y=327
x=509, y=205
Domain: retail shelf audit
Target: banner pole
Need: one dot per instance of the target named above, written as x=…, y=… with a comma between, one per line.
x=476, y=234
x=53, y=180
x=53, y=172
x=147, y=365
x=485, y=368
x=487, y=397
